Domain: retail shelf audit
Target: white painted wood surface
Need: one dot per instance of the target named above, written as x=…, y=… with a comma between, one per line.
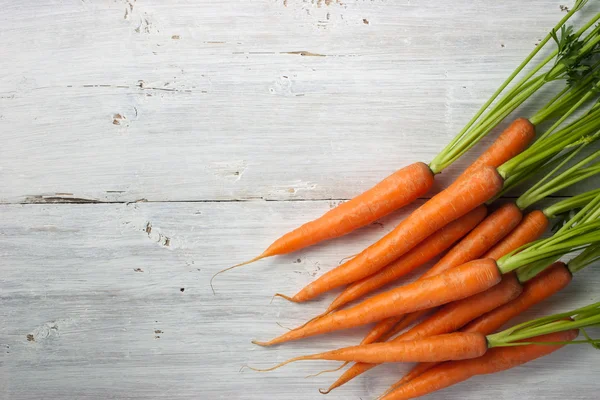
x=185, y=103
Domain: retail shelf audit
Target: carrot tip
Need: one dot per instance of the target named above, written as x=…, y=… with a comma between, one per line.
x=327, y=371
x=234, y=266
x=324, y=391
x=263, y=344
x=288, y=298
x=343, y=260
x=284, y=327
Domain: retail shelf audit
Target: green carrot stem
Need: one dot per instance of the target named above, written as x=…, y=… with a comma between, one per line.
x=587, y=96
x=494, y=119
x=457, y=146
x=574, y=174
x=580, y=215
x=546, y=149
x=571, y=203
x=559, y=326
x=532, y=270
x=524, y=258
x=582, y=341
x=584, y=312
x=556, y=164
x=575, y=319
x=585, y=258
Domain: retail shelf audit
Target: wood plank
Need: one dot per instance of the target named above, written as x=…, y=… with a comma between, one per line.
x=91, y=307
x=289, y=99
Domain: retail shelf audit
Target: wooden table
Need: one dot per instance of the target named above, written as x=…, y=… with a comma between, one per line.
x=147, y=144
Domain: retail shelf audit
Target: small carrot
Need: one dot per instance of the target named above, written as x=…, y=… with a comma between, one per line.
x=419, y=255
x=452, y=203
x=544, y=285
x=531, y=228
x=460, y=282
x=511, y=142
x=446, y=320
x=495, y=360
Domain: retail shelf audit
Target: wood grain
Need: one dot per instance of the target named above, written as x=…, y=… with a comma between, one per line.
x=178, y=100
x=136, y=127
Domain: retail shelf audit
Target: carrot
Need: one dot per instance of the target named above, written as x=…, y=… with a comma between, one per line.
x=553, y=279
x=531, y=228
x=544, y=285
x=512, y=141
x=452, y=203
x=397, y=190
x=460, y=282
x=452, y=346
x=495, y=360
x=447, y=319
x=425, y=251
x=489, y=232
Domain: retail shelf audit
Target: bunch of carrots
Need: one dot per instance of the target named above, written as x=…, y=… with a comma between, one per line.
x=495, y=265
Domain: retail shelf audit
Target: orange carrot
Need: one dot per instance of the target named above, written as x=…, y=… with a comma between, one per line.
x=458, y=283
x=489, y=232
x=394, y=192
x=425, y=251
x=551, y=280
x=452, y=203
x=533, y=227
x=511, y=142
x=452, y=346
x=495, y=360
x=447, y=319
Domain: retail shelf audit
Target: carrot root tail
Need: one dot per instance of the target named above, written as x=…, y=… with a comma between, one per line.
x=291, y=360
x=288, y=298
x=324, y=391
x=327, y=371
x=343, y=260
x=235, y=266
x=284, y=327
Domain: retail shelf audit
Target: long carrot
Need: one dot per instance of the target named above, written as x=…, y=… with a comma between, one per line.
x=495, y=360
x=460, y=282
x=452, y=203
x=419, y=255
x=544, y=285
x=452, y=346
x=447, y=319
